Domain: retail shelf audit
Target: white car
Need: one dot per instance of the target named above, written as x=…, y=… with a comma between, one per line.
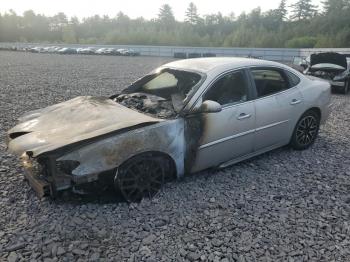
x=100, y=51
x=183, y=117
x=86, y=51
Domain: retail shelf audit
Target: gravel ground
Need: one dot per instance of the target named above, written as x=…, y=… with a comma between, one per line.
x=281, y=206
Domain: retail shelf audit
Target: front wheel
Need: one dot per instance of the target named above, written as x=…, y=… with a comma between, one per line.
x=141, y=176
x=345, y=89
x=305, y=131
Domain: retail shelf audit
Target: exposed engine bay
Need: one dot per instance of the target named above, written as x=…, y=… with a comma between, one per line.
x=325, y=74
x=148, y=104
x=161, y=94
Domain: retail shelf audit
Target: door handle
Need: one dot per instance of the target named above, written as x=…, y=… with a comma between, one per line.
x=243, y=116
x=295, y=101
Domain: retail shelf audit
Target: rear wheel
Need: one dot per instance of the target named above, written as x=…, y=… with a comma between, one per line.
x=306, y=130
x=141, y=176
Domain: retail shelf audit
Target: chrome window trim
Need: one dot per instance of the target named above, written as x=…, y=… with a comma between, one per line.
x=210, y=84
x=274, y=94
x=253, y=99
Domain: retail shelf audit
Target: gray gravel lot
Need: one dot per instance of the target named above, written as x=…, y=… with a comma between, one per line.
x=281, y=206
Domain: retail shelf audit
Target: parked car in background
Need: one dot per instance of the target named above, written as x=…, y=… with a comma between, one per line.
x=86, y=51
x=127, y=52
x=298, y=64
x=54, y=49
x=100, y=51
x=68, y=51
x=36, y=49
x=333, y=67
x=183, y=117
x=122, y=51
x=110, y=51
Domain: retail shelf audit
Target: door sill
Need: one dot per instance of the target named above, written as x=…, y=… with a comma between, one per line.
x=250, y=155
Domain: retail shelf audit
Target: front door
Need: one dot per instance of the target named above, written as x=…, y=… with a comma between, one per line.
x=227, y=134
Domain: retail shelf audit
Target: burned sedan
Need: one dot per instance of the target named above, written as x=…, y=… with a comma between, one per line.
x=333, y=67
x=184, y=117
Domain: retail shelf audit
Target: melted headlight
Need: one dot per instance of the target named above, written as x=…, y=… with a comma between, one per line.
x=67, y=166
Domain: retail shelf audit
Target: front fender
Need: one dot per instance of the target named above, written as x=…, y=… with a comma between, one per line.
x=109, y=153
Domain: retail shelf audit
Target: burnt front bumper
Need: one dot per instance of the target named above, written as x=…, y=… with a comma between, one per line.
x=33, y=172
x=48, y=176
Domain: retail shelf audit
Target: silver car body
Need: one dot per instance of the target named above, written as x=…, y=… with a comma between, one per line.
x=101, y=134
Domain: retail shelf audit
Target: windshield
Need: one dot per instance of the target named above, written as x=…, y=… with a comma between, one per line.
x=168, y=82
x=162, y=93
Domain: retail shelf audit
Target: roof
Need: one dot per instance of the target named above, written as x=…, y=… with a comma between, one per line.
x=208, y=64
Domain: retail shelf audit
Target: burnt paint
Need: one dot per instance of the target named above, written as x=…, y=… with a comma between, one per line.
x=194, y=128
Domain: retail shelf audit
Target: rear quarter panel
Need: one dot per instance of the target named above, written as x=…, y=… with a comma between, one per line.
x=316, y=93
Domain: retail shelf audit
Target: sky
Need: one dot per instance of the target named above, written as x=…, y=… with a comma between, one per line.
x=147, y=9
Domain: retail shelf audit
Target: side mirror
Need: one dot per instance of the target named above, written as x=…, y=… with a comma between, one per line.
x=303, y=64
x=209, y=106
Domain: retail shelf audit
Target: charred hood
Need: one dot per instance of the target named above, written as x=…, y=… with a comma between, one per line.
x=70, y=122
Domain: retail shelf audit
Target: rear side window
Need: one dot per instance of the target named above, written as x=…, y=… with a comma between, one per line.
x=293, y=79
x=269, y=81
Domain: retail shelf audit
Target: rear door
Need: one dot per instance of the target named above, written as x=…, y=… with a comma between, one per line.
x=278, y=103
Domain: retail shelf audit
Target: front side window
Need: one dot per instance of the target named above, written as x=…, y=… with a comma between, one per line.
x=229, y=89
x=269, y=81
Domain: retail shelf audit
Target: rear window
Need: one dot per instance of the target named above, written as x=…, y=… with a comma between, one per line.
x=269, y=81
x=293, y=79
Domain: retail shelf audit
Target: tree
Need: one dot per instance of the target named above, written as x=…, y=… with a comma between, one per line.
x=191, y=15
x=166, y=14
x=302, y=10
x=266, y=29
x=281, y=11
x=166, y=19
x=333, y=6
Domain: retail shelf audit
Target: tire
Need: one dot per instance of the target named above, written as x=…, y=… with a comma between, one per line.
x=141, y=176
x=345, y=89
x=305, y=131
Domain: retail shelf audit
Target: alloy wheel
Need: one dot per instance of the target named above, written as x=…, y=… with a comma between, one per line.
x=307, y=130
x=142, y=177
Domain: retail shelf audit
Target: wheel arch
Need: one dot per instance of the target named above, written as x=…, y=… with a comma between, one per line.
x=154, y=153
x=317, y=110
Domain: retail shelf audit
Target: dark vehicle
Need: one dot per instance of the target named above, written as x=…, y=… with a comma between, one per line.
x=36, y=49
x=330, y=66
x=132, y=52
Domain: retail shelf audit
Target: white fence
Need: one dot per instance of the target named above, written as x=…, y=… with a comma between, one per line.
x=274, y=54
